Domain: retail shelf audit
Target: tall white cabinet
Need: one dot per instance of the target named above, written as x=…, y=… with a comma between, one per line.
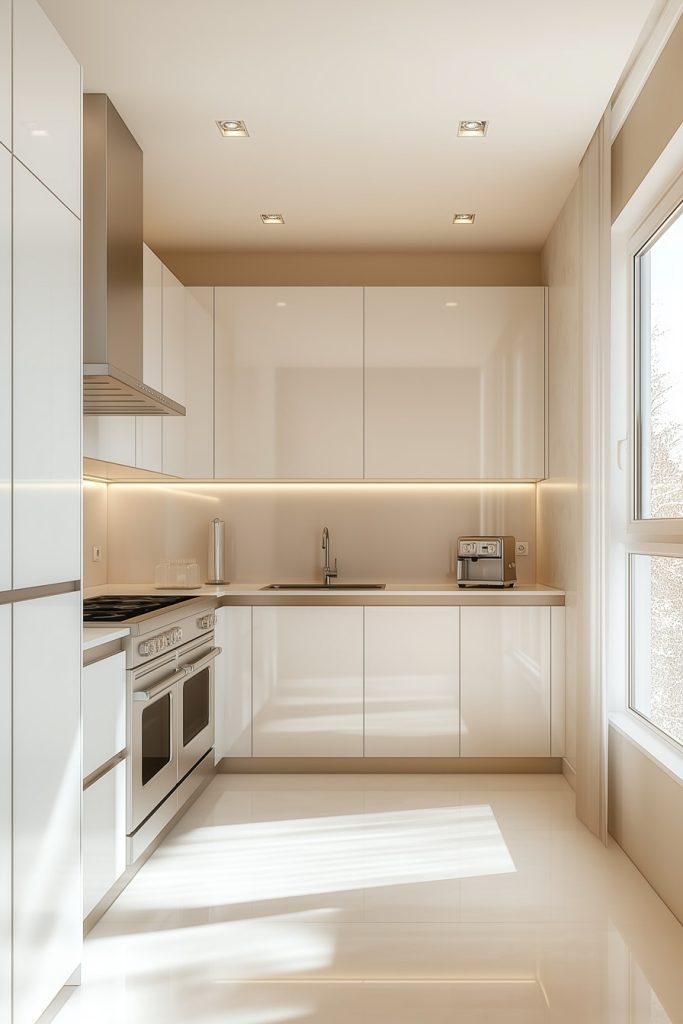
x=5, y=812
x=6, y=73
x=5, y=370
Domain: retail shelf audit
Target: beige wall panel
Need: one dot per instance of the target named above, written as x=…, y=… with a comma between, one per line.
x=94, y=532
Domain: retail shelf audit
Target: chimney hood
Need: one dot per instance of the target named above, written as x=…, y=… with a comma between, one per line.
x=112, y=269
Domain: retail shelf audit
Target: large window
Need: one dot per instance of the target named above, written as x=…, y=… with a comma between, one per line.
x=659, y=374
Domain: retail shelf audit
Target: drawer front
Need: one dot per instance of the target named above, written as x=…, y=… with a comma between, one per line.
x=104, y=835
x=104, y=711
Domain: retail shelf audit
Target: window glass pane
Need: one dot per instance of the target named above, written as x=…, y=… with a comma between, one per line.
x=657, y=641
x=660, y=457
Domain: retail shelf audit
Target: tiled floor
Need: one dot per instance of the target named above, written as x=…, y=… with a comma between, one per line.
x=397, y=899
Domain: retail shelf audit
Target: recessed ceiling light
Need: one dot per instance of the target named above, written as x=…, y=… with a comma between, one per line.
x=451, y=303
x=272, y=218
x=281, y=304
x=473, y=129
x=232, y=129
x=463, y=218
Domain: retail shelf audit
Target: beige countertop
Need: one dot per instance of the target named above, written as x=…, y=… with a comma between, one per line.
x=94, y=636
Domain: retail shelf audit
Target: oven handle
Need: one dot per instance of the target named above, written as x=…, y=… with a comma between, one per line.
x=163, y=684
x=195, y=666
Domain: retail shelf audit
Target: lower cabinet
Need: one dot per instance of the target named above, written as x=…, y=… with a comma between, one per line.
x=505, y=682
x=104, y=835
x=233, y=683
x=308, y=682
x=411, y=682
x=104, y=711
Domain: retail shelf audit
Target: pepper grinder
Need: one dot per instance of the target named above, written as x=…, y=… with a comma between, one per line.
x=216, y=552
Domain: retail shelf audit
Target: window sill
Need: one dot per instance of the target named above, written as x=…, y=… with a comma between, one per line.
x=657, y=750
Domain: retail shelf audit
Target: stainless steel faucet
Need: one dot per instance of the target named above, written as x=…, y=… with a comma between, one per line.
x=328, y=572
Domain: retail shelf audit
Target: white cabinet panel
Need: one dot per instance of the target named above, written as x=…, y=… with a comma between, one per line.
x=5, y=812
x=454, y=383
x=308, y=682
x=110, y=438
x=148, y=428
x=233, y=683
x=5, y=370
x=411, y=682
x=173, y=372
x=47, y=386
x=104, y=835
x=199, y=382
x=289, y=382
x=557, y=682
x=104, y=711
x=505, y=682
x=47, y=103
x=6, y=73
x=47, y=800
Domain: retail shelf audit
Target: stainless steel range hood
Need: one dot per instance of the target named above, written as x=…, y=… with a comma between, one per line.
x=112, y=269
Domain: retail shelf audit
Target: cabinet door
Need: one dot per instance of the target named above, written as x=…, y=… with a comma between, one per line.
x=173, y=371
x=199, y=382
x=233, y=683
x=308, y=682
x=148, y=428
x=47, y=800
x=104, y=835
x=454, y=383
x=289, y=383
x=505, y=682
x=5, y=812
x=47, y=103
x=104, y=711
x=5, y=370
x=6, y=73
x=47, y=386
x=412, y=682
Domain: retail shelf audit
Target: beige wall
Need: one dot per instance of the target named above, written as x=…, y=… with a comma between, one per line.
x=558, y=497
x=95, y=532
x=654, y=119
x=354, y=268
x=379, y=532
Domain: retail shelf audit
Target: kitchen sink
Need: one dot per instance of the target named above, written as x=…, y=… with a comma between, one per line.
x=325, y=586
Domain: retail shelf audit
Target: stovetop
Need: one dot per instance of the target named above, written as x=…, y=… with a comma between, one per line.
x=121, y=608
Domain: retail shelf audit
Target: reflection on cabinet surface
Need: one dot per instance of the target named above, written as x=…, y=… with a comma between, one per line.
x=289, y=383
x=454, y=383
x=411, y=682
x=5, y=370
x=505, y=682
x=308, y=682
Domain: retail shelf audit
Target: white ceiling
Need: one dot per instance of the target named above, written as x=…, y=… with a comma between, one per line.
x=352, y=107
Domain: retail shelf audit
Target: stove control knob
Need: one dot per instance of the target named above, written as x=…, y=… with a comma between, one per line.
x=206, y=621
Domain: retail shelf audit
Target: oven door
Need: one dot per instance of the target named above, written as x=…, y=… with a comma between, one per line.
x=196, y=706
x=154, y=752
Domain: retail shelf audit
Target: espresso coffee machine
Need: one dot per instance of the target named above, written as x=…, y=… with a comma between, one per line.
x=486, y=562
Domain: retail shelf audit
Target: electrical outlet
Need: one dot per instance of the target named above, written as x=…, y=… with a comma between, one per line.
x=96, y=553
x=522, y=547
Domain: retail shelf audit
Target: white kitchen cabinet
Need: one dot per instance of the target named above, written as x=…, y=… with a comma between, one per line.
x=6, y=73
x=104, y=835
x=455, y=383
x=173, y=371
x=46, y=799
x=5, y=370
x=148, y=428
x=110, y=438
x=308, y=681
x=412, y=682
x=198, y=422
x=5, y=812
x=47, y=103
x=505, y=682
x=289, y=383
x=47, y=386
x=233, y=683
x=104, y=711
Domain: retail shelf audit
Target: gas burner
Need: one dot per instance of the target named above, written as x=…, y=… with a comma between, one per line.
x=122, y=607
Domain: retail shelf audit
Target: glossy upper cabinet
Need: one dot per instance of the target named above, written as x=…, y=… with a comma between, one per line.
x=307, y=682
x=6, y=73
x=173, y=371
x=47, y=103
x=5, y=812
x=505, y=682
x=148, y=428
x=47, y=800
x=454, y=383
x=199, y=382
x=289, y=383
x=412, y=682
x=5, y=370
x=47, y=386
